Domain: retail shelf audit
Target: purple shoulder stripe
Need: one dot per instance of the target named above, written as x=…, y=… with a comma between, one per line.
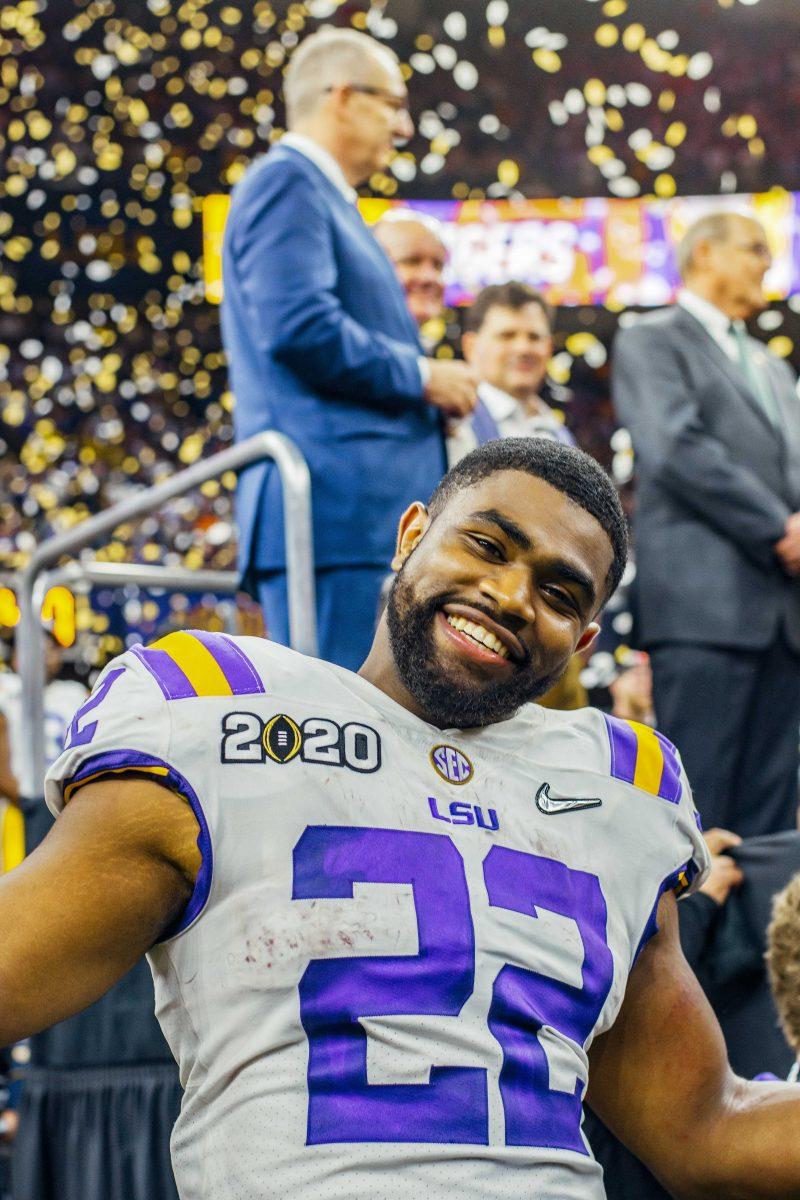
x=624, y=748
x=234, y=664
x=670, y=787
x=166, y=672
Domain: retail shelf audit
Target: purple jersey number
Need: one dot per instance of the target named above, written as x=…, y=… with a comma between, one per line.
x=524, y=1000
x=77, y=736
x=334, y=993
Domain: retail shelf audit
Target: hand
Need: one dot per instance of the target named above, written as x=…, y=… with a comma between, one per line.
x=725, y=873
x=632, y=694
x=720, y=840
x=9, y=1124
x=788, y=548
x=452, y=387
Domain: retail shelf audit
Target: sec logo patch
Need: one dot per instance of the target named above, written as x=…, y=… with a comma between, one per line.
x=282, y=738
x=451, y=764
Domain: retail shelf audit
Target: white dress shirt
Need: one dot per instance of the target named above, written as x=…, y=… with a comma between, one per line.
x=716, y=323
x=324, y=160
x=512, y=418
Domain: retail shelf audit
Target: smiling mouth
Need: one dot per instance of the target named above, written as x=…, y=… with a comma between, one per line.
x=478, y=634
x=482, y=637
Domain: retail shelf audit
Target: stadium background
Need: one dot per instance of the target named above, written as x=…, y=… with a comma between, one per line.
x=116, y=120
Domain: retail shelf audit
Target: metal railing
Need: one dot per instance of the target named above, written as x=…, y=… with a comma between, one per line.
x=29, y=638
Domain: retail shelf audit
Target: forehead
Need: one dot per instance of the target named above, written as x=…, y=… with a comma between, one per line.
x=529, y=318
x=383, y=71
x=554, y=524
x=410, y=239
x=748, y=228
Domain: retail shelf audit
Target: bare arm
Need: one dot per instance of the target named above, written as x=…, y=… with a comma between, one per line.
x=8, y=781
x=115, y=870
x=660, y=1080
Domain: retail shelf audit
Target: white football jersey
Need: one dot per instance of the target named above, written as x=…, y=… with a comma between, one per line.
x=402, y=940
x=61, y=698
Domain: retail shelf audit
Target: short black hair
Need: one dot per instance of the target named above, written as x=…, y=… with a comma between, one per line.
x=565, y=468
x=513, y=294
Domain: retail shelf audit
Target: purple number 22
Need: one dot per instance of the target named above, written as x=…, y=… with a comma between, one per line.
x=334, y=993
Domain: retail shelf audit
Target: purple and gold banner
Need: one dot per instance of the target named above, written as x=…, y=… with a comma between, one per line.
x=596, y=251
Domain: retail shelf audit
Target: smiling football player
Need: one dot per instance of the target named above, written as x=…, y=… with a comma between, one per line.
x=402, y=923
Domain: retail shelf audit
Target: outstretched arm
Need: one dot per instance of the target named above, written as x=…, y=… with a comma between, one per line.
x=660, y=1079
x=112, y=874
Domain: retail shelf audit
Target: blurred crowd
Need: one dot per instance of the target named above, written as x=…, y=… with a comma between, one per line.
x=111, y=368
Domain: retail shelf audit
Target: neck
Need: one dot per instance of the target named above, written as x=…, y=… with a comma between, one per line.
x=321, y=133
x=530, y=401
x=534, y=403
x=379, y=669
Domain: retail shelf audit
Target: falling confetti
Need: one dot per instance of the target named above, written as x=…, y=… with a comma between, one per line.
x=119, y=119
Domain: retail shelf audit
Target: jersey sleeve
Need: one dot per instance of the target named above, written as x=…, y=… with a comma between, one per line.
x=124, y=728
x=644, y=758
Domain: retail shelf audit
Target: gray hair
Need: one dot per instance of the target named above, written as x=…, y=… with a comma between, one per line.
x=323, y=60
x=713, y=227
x=410, y=216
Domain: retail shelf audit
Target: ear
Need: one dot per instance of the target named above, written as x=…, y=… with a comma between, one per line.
x=468, y=345
x=587, y=637
x=339, y=98
x=701, y=254
x=413, y=523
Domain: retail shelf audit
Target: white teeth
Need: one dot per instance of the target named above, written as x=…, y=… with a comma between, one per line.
x=479, y=634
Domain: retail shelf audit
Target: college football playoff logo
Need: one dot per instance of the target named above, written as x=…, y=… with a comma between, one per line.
x=282, y=738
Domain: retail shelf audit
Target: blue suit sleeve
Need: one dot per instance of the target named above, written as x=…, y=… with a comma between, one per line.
x=283, y=256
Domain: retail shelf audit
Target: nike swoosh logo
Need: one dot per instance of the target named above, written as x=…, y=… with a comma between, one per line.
x=550, y=805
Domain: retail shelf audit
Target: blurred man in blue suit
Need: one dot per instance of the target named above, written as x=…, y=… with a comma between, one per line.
x=322, y=347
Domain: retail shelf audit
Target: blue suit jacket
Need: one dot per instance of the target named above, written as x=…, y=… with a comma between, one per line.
x=321, y=346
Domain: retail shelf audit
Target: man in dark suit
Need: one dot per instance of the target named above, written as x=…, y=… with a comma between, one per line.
x=715, y=423
x=321, y=344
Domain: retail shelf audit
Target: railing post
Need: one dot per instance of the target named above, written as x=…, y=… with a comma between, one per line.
x=296, y=490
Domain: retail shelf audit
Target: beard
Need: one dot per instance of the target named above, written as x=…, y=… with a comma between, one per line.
x=449, y=699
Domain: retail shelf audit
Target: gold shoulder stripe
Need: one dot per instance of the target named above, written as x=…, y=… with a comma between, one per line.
x=197, y=663
x=649, y=759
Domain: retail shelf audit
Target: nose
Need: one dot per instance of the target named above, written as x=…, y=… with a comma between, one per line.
x=510, y=589
x=429, y=272
x=403, y=125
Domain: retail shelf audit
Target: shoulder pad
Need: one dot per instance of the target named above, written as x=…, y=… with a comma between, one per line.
x=189, y=664
x=645, y=758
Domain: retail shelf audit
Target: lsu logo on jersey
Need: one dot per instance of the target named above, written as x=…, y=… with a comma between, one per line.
x=451, y=764
x=248, y=738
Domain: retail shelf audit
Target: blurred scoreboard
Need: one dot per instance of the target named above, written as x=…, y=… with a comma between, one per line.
x=601, y=251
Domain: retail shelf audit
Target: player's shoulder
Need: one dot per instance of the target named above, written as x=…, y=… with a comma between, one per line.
x=629, y=752
x=194, y=664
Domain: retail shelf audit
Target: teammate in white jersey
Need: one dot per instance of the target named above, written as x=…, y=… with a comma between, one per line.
x=61, y=698
x=398, y=919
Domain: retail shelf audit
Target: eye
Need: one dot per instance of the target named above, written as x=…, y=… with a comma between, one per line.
x=562, y=598
x=487, y=546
